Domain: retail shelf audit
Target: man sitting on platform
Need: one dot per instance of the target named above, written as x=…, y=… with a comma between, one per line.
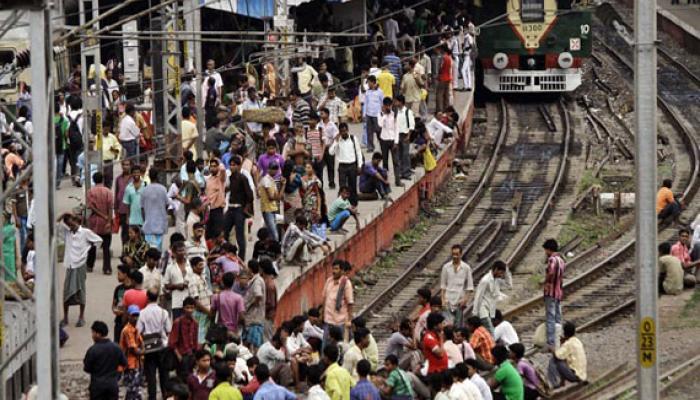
x=374, y=180
x=341, y=210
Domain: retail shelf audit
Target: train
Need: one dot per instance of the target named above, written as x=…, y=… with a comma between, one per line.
x=532, y=46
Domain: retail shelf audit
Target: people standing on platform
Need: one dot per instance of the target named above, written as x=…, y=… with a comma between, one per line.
x=444, y=80
x=389, y=139
x=103, y=361
x=374, y=100
x=348, y=154
x=100, y=201
x=155, y=202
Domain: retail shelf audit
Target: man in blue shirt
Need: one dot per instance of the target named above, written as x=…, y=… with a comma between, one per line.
x=269, y=390
x=373, y=107
x=364, y=389
x=394, y=63
x=374, y=179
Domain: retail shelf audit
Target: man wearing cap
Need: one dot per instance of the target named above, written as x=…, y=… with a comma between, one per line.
x=131, y=344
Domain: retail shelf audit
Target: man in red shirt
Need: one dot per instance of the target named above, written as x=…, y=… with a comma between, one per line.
x=432, y=344
x=442, y=100
x=183, y=339
x=136, y=295
x=99, y=201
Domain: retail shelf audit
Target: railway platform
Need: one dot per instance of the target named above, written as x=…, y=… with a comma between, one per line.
x=299, y=288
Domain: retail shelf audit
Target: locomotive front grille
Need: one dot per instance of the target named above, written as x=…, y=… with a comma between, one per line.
x=532, y=81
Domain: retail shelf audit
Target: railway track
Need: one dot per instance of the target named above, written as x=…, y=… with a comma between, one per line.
x=607, y=287
x=505, y=212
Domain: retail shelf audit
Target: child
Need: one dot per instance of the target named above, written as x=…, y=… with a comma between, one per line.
x=131, y=344
x=201, y=382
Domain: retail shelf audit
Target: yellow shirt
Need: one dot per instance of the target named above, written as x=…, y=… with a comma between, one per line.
x=338, y=382
x=111, y=149
x=572, y=352
x=189, y=134
x=386, y=82
x=224, y=391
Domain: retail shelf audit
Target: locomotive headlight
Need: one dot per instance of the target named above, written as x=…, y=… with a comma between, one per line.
x=500, y=60
x=565, y=60
x=531, y=62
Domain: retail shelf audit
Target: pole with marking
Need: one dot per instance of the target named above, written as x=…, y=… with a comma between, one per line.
x=645, y=164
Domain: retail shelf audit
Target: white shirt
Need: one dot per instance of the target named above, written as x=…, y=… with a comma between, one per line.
x=154, y=319
x=389, y=127
x=31, y=254
x=455, y=283
x=151, y=278
x=391, y=29
x=173, y=275
x=506, y=333
x=128, y=130
x=295, y=342
x=471, y=388
x=488, y=293
x=219, y=83
x=312, y=331
x=483, y=387
x=437, y=130
x=317, y=393
x=330, y=131
x=78, y=245
x=405, y=124
x=346, y=151
x=460, y=392
x=270, y=356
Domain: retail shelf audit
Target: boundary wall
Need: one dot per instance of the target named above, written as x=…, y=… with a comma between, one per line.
x=363, y=247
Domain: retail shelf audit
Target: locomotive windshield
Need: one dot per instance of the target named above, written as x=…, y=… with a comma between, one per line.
x=532, y=10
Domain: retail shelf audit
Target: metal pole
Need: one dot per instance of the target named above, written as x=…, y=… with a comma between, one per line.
x=199, y=68
x=85, y=92
x=645, y=164
x=97, y=153
x=44, y=176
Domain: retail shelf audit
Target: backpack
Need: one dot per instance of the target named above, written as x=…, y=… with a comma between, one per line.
x=75, y=138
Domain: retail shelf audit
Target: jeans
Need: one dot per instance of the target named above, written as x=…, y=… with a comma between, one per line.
x=60, y=167
x=271, y=224
x=130, y=147
x=375, y=186
x=106, y=254
x=152, y=363
x=671, y=210
x=329, y=162
x=364, y=129
x=339, y=220
x=22, y=232
x=347, y=176
x=553, y=314
x=388, y=147
x=372, y=130
x=404, y=155
x=235, y=218
x=558, y=372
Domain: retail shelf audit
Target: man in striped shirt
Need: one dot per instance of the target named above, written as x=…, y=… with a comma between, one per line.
x=301, y=108
x=553, y=288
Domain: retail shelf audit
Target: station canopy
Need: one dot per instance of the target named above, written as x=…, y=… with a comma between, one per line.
x=254, y=8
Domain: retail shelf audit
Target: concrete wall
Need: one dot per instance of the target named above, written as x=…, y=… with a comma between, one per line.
x=362, y=248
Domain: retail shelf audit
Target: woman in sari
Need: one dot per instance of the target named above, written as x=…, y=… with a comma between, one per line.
x=134, y=250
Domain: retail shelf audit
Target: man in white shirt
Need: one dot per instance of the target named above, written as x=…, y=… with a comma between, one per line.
x=78, y=241
x=456, y=282
x=346, y=149
x=437, y=130
x=467, y=62
x=389, y=139
x=152, y=321
x=313, y=327
x=176, y=279
x=391, y=30
x=329, y=131
x=488, y=293
x=476, y=379
x=505, y=334
x=406, y=123
x=217, y=77
x=129, y=132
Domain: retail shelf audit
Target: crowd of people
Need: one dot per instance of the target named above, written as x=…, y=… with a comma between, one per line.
x=194, y=307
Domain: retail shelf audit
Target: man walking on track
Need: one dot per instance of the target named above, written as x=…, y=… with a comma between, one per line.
x=553, y=288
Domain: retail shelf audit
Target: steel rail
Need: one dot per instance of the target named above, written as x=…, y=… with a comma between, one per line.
x=436, y=243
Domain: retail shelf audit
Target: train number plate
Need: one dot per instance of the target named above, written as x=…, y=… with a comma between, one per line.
x=575, y=44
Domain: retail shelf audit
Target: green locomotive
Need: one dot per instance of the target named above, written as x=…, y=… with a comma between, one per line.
x=532, y=46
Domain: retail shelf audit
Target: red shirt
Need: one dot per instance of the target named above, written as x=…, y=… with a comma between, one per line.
x=435, y=363
x=135, y=296
x=445, y=69
x=183, y=337
x=251, y=387
x=100, y=198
